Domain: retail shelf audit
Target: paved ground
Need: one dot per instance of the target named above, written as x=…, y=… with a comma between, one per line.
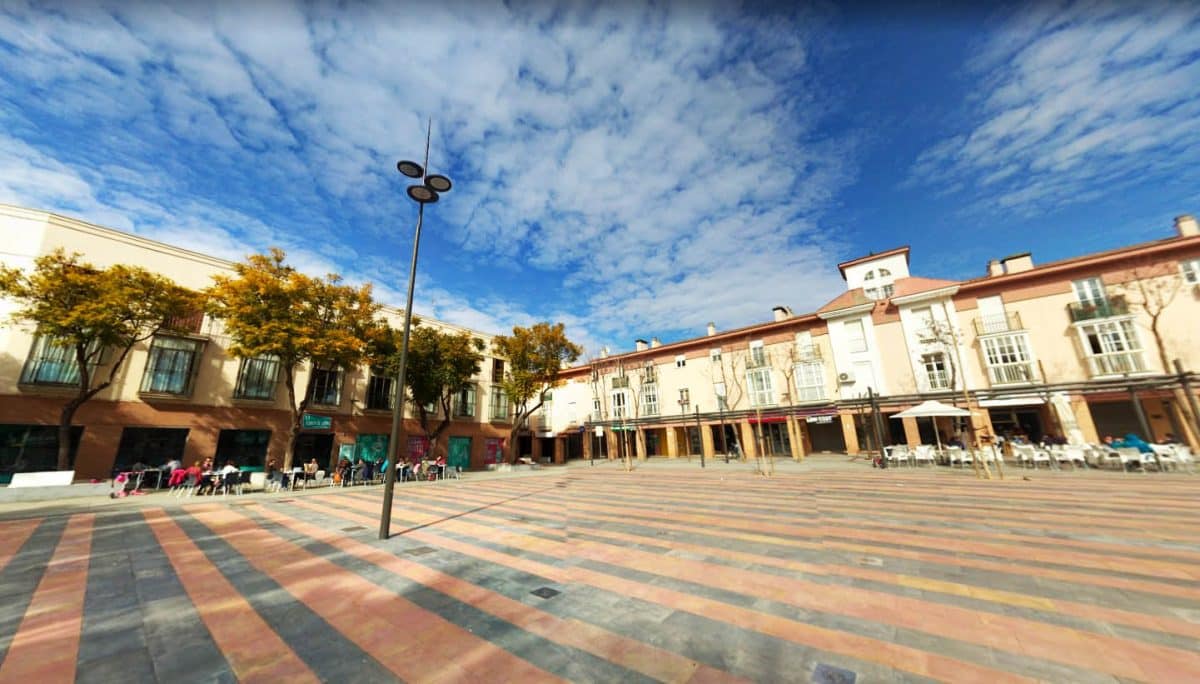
x=826, y=572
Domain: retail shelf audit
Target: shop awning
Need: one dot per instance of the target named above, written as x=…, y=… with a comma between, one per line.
x=1012, y=401
x=767, y=419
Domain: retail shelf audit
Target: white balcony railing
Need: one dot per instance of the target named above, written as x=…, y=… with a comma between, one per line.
x=1010, y=373
x=1116, y=363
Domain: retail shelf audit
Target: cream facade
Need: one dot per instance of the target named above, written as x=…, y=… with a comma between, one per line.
x=180, y=395
x=1079, y=349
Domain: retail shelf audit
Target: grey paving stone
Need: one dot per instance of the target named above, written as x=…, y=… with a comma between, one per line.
x=21, y=576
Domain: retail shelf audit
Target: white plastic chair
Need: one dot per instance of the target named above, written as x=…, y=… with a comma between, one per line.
x=1165, y=454
x=897, y=453
x=924, y=452
x=1129, y=455
x=1183, y=454
x=1075, y=456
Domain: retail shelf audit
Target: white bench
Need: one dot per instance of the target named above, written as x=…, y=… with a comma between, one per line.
x=46, y=478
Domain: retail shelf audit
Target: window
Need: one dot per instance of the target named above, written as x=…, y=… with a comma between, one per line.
x=50, y=362
x=759, y=383
x=758, y=355
x=170, y=366
x=379, y=390
x=650, y=400
x=935, y=370
x=243, y=447
x=325, y=386
x=923, y=323
x=597, y=409
x=684, y=397
x=150, y=446
x=498, y=410
x=714, y=355
x=804, y=345
x=810, y=381
x=32, y=448
x=497, y=370
x=878, y=290
x=680, y=361
x=856, y=337
x=1112, y=347
x=719, y=390
x=620, y=381
x=1089, y=291
x=1191, y=270
x=648, y=374
x=1007, y=358
x=257, y=378
x=464, y=402
x=618, y=404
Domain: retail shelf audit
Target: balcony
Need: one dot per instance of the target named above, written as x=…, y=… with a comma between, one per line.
x=1116, y=363
x=1113, y=306
x=810, y=353
x=189, y=323
x=1001, y=323
x=1010, y=373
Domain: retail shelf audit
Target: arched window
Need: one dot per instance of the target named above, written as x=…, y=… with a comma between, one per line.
x=881, y=290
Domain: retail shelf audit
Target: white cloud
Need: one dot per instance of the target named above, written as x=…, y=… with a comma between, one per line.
x=1078, y=99
x=657, y=167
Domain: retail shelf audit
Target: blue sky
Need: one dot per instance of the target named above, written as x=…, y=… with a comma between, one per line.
x=632, y=171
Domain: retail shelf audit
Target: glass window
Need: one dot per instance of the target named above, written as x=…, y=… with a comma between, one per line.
x=257, y=378
x=464, y=402
x=597, y=410
x=650, y=400
x=150, y=446
x=935, y=370
x=243, y=447
x=379, y=391
x=714, y=355
x=804, y=345
x=684, y=397
x=680, y=361
x=170, y=365
x=325, y=386
x=50, y=362
x=883, y=289
x=648, y=372
x=810, y=381
x=856, y=337
x=759, y=383
x=618, y=404
x=1089, y=291
x=758, y=355
x=1007, y=358
x=498, y=410
x=497, y=370
x=1191, y=270
x=32, y=448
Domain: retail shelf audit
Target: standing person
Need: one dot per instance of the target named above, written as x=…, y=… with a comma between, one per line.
x=310, y=471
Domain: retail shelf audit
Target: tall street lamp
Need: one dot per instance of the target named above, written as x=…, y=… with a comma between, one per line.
x=426, y=192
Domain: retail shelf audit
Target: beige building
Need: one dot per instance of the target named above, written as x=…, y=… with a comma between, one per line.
x=180, y=395
x=1078, y=349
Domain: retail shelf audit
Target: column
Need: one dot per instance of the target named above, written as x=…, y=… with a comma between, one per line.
x=706, y=440
x=535, y=449
x=672, y=442
x=796, y=437
x=560, y=450
x=912, y=432
x=589, y=443
x=849, y=433
x=639, y=443
x=1083, y=416
x=749, y=440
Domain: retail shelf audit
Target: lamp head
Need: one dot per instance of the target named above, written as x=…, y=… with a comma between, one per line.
x=410, y=169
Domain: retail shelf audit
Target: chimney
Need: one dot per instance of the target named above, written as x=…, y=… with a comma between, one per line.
x=604, y=352
x=712, y=329
x=995, y=268
x=1017, y=263
x=782, y=313
x=1186, y=226
x=654, y=342
x=640, y=345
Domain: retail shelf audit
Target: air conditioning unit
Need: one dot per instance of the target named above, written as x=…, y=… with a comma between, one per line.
x=846, y=378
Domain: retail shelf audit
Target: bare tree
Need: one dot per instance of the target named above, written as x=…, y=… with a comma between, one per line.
x=943, y=335
x=1151, y=289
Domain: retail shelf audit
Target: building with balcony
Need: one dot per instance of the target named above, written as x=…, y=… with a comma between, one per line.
x=1079, y=348
x=180, y=395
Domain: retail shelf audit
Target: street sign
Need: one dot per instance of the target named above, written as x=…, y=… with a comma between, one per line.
x=311, y=421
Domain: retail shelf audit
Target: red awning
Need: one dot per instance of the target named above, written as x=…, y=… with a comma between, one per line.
x=767, y=419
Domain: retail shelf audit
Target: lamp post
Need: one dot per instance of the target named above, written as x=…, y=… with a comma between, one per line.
x=426, y=192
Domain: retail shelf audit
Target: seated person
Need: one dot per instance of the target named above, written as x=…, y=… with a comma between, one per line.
x=1133, y=441
x=310, y=470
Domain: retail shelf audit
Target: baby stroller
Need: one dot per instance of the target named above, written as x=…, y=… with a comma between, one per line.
x=126, y=484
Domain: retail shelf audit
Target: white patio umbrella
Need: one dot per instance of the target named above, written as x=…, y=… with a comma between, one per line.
x=932, y=409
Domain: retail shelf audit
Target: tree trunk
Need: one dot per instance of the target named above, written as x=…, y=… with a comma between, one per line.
x=297, y=413
x=1158, y=342
x=513, y=450
x=64, y=434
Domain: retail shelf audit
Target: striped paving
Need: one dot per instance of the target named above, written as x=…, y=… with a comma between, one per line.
x=663, y=574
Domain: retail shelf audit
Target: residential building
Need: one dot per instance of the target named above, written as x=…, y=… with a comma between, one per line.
x=1078, y=348
x=181, y=395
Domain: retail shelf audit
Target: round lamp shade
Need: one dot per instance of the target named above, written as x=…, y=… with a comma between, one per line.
x=422, y=194
x=410, y=169
x=438, y=182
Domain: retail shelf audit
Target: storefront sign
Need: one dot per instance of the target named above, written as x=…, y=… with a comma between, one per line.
x=819, y=419
x=311, y=421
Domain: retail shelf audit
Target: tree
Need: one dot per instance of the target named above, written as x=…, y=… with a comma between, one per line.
x=83, y=311
x=535, y=356
x=271, y=309
x=440, y=365
x=1151, y=289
